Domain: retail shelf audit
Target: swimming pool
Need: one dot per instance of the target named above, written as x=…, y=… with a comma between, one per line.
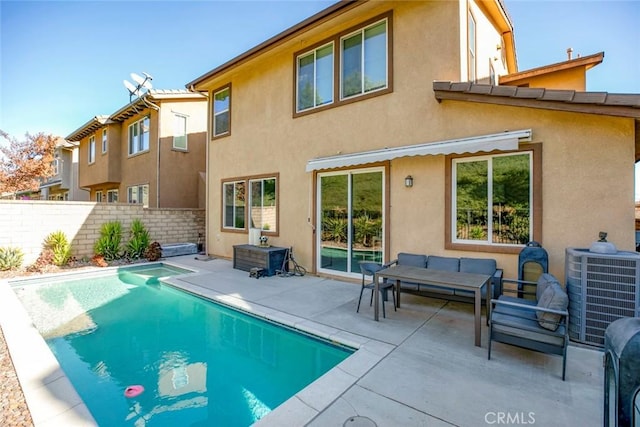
x=199, y=362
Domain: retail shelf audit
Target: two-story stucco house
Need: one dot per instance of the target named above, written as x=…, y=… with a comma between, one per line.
x=64, y=185
x=374, y=128
x=151, y=151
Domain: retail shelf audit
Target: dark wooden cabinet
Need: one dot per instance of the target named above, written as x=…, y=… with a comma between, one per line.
x=270, y=259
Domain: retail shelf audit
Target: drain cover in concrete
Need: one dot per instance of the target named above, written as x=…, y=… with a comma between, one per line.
x=359, y=421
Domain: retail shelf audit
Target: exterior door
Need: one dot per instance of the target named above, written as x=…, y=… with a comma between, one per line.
x=351, y=220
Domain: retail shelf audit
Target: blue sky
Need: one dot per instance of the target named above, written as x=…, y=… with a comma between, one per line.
x=61, y=63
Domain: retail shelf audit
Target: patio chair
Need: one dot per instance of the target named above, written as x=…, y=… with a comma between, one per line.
x=368, y=270
x=538, y=324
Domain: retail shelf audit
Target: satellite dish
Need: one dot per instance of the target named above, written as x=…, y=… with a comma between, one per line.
x=136, y=78
x=144, y=82
x=131, y=88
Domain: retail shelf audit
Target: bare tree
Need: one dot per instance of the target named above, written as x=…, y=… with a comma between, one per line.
x=25, y=164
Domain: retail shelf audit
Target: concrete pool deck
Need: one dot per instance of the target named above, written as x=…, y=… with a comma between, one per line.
x=417, y=367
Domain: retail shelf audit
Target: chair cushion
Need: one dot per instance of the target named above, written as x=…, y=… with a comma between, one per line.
x=554, y=298
x=413, y=260
x=443, y=263
x=544, y=280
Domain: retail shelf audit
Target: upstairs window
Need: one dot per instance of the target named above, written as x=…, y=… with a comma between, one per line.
x=352, y=65
x=139, y=136
x=104, y=141
x=234, y=194
x=315, y=78
x=55, y=165
x=364, y=60
x=180, y=132
x=222, y=112
x=471, y=40
x=92, y=149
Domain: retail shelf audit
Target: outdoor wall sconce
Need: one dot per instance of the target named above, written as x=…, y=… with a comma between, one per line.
x=408, y=181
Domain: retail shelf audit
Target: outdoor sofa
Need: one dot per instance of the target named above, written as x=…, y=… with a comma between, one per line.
x=466, y=265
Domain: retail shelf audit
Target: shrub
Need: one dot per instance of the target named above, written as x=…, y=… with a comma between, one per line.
x=44, y=261
x=138, y=240
x=10, y=258
x=153, y=252
x=59, y=246
x=108, y=245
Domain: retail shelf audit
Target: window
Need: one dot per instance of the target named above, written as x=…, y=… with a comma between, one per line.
x=221, y=112
x=364, y=60
x=315, y=78
x=471, y=59
x=352, y=65
x=234, y=205
x=99, y=196
x=104, y=140
x=263, y=204
x=92, y=149
x=139, y=136
x=112, y=196
x=138, y=194
x=179, y=132
x=492, y=200
x=55, y=165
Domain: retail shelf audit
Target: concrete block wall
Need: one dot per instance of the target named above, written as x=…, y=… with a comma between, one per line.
x=26, y=223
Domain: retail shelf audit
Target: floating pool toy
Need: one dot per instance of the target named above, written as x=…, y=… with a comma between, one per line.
x=133, y=390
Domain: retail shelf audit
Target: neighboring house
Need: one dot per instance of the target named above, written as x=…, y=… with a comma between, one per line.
x=151, y=151
x=63, y=185
x=345, y=138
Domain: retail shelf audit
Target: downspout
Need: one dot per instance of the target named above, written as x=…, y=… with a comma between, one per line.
x=207, y=236
x=157, y=108
x=158, y=166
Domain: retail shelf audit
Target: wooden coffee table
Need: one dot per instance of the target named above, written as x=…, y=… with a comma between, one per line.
x=446, y=279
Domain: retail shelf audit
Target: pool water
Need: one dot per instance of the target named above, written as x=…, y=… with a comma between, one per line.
x=200, y=363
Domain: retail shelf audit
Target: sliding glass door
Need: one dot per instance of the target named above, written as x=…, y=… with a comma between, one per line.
x=351, y=219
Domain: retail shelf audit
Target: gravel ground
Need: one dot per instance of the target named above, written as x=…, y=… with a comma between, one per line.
x=13, y=407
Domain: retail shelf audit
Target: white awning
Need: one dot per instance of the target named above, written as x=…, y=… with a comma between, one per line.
x=503, y=141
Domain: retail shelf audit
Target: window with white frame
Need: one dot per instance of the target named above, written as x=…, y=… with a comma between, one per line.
x=99, y=196
x=471, y=40
x=139, y=136
x=222, y=112
x=138, y=194
x=112, y=196
x=492, y=200
x=263, y=204
x=104, y=141
x=364, y=60
x=92, y=149
x=315, y=78
x=234, y=202
x=180, y=132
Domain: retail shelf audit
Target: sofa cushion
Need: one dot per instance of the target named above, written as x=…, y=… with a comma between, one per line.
x=555, y=298
x=443, y=263
x=478, y=266
x=413, y=260
x=544, y=281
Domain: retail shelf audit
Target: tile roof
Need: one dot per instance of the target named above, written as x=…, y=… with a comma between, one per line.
x=602, y=103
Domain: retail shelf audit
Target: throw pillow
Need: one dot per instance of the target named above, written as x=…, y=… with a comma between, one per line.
x=544, y=281
x=553, y=298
